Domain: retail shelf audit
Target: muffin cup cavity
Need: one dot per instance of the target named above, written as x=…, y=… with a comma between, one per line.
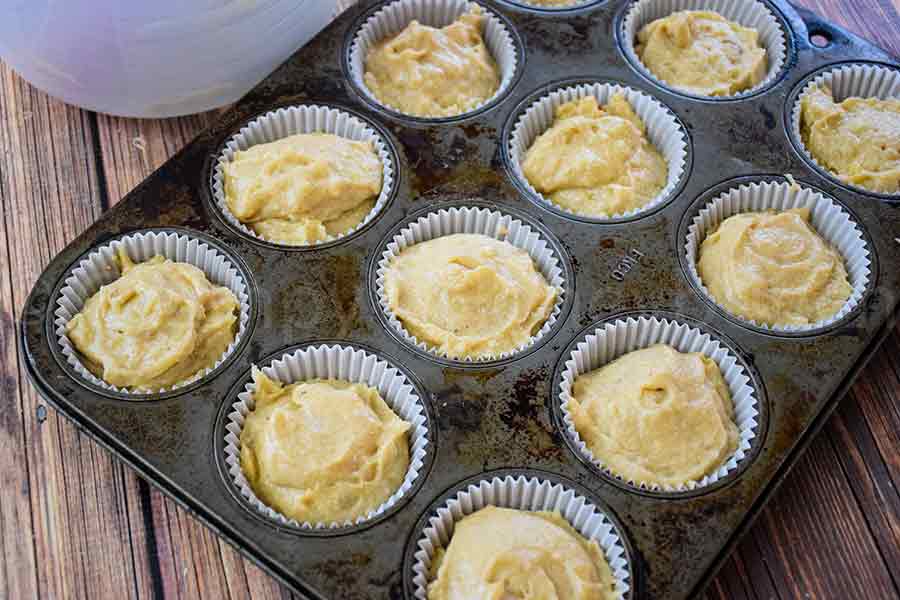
x=394, y=17
x=664, y=131
x=615, y=338
x=748, y=13
x=100, y=268
x=573, y=5
x=293, y=120
x=828, y=218
x=849, y=80
x=474, y=220
x=522, y=493
x=346, y=363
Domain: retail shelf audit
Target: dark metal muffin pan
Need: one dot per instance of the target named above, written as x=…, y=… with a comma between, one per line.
x=499, y=415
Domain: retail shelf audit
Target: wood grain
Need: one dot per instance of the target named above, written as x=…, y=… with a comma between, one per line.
x=75, y=524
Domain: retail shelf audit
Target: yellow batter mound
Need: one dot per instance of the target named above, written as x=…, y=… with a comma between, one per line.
x=656, y=416
x=857, y=139
x=504, y=553
x=161, y=323
x=468, y=295
x=429, y=72
x=596, y=162
x=322, y=450
x=773, y=268
x=304, y=188
x=703, y=53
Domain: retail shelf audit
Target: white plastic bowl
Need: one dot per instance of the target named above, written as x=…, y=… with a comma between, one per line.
x=156, y=58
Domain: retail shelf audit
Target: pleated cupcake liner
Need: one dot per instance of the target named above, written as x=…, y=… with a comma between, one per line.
x=827, y=217
x=614, y=339
x=345, y=363
x=294, y=120
x=528, y=494
x=850, y=80
x=748, y=13
x=100, y=268
x=475, y=220
x=394, y=17
x=664, y=131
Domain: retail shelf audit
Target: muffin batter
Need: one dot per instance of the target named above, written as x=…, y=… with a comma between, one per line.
x=304, y=188
x=858, y=139
x=161, y=323
x=703, y=53
x=596, y=162
x=504, y=553
x=773, y=268
x=656, y=416
x=428, y=72
x=322, y=450
x=468, y=295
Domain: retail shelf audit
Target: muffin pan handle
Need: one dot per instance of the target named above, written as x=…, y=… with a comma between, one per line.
x=820, y=34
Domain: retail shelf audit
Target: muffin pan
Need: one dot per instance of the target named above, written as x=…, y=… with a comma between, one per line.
x=497, y=420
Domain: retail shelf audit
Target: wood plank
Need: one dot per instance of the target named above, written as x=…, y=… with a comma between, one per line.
x=18, y=568
x=62, y=496
x=131, y=149
x=190, y=561
x=810, y=537
x=815, y=545
x=866, y=433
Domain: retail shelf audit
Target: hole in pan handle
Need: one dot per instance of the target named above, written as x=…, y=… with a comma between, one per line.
x=822, y=35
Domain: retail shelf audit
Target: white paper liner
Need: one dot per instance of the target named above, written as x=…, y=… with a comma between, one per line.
x=481, y=221
x=346, y=363
x=849, y=80
x=617, y=338
x=294, y=120
x=663, y=130
x=100, y=268
x=531, y=494
x=748, y=13
x=393, y=18
x=827, y=217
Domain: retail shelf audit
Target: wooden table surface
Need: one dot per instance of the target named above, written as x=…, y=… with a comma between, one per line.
x=75, y=523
